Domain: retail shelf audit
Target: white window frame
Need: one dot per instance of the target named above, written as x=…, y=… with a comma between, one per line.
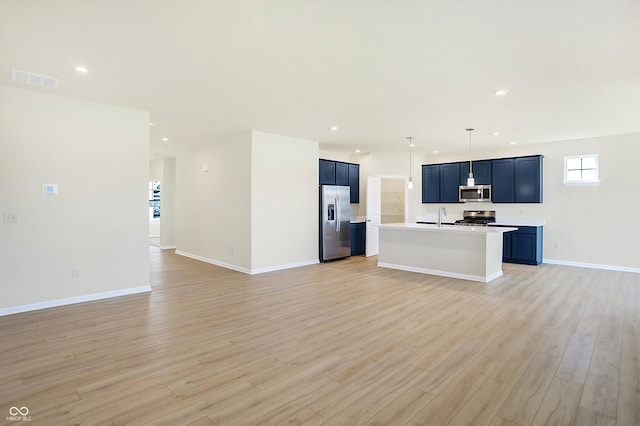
x=581, y=182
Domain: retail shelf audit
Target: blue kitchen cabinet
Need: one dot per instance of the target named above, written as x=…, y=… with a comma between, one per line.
x=481, y=172
x=528, y=179
x=354, y=182
x=523, y=246
x=449, y=182
x=517, y=180
x=512, y=180
x=342, y=173
x=502, y=181
x=358, y=238
x=327, y=171
x=431, y=183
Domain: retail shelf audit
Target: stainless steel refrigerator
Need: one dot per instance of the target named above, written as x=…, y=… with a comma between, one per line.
x=335, y=215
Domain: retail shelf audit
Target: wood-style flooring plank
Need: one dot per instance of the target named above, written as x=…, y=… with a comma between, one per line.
x=560, y=404
x=338, y=343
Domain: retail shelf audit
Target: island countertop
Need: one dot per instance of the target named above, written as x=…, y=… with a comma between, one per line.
x=466, y=252
x=423, y=227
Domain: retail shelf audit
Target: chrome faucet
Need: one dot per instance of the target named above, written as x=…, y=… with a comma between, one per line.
x=440, y=213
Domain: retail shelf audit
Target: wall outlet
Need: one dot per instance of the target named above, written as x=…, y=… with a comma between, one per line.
x=556, y=245
x=75, y=273
x=10, y=217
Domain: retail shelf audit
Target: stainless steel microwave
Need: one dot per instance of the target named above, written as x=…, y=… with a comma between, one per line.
x=475, y=193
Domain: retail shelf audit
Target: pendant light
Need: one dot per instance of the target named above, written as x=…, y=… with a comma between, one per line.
x=470, y=180
x=410, y=184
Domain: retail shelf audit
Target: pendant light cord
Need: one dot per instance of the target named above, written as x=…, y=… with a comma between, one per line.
x=470, y=160
x=410, y=157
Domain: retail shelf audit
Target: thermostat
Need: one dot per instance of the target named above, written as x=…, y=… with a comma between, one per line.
x=50, y=188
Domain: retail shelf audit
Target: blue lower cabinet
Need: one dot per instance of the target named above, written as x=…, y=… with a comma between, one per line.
x=523, y=246
x=358, y=238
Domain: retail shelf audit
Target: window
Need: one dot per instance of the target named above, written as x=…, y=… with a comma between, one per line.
x=581, y=170
x=154, y=200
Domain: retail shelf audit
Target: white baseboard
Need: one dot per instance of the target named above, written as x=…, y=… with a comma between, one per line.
x=441, y=273
x=167, y=247
x=72, y=300
x=591, y=265
x=244, y=270
x=214, y=262
x=285, y=266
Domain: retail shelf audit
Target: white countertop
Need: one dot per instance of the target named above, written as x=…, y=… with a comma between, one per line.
x=444, y=228
x=500, y=221
x=519, y=221
x=358, y=219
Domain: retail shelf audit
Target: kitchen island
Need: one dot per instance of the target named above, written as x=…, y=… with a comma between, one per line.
x=465, y=252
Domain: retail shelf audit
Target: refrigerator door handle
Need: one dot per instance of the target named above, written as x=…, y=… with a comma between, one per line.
x=337, y=214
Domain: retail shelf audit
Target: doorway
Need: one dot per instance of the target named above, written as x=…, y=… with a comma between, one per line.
x=392, y=200
x=154, y=213
x=387, y=202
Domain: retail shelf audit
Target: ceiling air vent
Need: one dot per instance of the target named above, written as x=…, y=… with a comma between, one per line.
x=34, y=79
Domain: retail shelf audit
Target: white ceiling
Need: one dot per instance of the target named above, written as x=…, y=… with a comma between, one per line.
x=379, y=70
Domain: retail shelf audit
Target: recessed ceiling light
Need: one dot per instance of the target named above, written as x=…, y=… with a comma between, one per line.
x=334, y=128
x=512, y=143
x=412, y=145
x=152, y=124
x=81, y=69
x=496, y=133
x=165, y=139
x=501, y=92
x=357, y=151
x=435, y=151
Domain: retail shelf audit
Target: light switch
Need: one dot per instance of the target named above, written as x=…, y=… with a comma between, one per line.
x=10, y=217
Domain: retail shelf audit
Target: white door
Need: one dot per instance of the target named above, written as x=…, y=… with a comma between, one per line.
x=374, y=214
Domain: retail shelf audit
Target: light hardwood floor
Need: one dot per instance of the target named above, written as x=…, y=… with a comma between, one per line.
x=333, y=344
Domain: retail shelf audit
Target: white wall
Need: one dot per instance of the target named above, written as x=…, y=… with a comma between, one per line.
x=284, y=201
x=389, y=164
x=213, y=209
x=98, y=223
x=256, y=208
x=588, y=224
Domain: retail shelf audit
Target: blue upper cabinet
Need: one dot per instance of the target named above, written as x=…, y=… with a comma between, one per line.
x=339, y=173
x=502, y=180
x=528, y=179
x=342, y=173
x=517, y=180
x=327, y=172
x=449, y=182
x=354, y=182
x=440, y=182
x=512, y=180
x=481, y=172
x=431, y=183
